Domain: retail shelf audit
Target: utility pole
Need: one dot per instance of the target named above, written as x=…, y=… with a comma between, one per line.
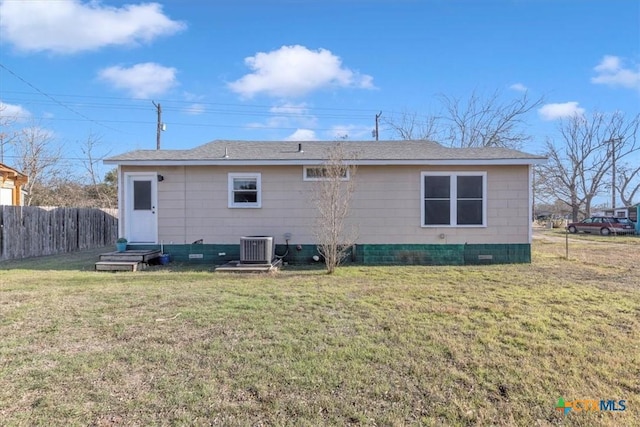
x=613, y=170
x=613, y=175
x=377, y=120
x=160, y=126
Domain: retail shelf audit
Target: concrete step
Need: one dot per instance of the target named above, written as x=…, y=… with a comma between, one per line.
x=238, y=267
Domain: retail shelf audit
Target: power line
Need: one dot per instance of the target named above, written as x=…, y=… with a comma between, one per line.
x=143, y=101
x=208, y=108
x=194, y=125
x=49, y=158
x=54, y=99
x=239, y=111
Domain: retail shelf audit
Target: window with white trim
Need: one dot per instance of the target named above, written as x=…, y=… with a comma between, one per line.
x=319, y=173
x=245, y=190
x=454, y=199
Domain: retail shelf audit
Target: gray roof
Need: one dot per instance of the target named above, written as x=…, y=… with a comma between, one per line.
x=359, y=152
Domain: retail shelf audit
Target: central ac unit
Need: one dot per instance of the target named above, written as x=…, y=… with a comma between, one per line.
x=257, y=250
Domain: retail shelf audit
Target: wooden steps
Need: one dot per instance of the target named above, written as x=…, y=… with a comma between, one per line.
x=129, y=260
x=120, y=266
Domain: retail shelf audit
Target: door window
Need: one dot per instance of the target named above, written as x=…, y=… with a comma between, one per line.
x=141, y=195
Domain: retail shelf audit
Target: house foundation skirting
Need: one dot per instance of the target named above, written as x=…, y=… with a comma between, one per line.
x=367, y=254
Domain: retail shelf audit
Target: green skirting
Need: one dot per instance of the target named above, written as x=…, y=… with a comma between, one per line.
x=445, y=254
x=387, y=254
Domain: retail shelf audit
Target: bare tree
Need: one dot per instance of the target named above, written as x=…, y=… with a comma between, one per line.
x=59, y=191
x=98, y=192
x=628, y=184
x=37, y=156
x=408, y=126
x=66, y=190
x=476, y=121
x=332, y=193
x=579, y=163
x=487, y=122
x=625, y=172
x=6, y=135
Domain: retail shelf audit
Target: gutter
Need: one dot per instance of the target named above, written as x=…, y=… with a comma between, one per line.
x=253, y=162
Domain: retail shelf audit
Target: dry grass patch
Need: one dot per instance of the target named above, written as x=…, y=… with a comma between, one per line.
x=486, y=345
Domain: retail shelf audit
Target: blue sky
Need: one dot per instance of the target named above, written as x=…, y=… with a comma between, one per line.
x=303, y=69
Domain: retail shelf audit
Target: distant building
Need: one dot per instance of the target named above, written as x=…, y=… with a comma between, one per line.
x=630, y=212
x=11, y=186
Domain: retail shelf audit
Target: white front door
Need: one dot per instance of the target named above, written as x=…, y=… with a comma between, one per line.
x=141, y=220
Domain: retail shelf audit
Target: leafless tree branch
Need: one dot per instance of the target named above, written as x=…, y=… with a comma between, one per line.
x=332, y=195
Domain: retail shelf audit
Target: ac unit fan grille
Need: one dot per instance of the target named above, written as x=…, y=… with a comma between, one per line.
x=256, y=250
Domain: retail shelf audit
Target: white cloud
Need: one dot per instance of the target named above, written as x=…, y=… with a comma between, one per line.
x=560, y=110
x=351, y=132
x=608, y=64
x=142, y=80
x=611, y=71
x=195, y=109
x=519, y=87
x=73, y=26
x=302, y=135
x=290, y=109
x=192, y=97
x=286, y=116
x=294, y=71
x=13, y=112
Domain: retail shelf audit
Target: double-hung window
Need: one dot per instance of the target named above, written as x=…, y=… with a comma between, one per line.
x=454, y=199
x=245, y=190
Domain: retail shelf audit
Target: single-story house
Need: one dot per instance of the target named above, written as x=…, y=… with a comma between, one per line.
x=11, y=186
x=414, y=202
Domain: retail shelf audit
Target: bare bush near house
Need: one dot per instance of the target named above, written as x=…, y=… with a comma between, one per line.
x=332, y=195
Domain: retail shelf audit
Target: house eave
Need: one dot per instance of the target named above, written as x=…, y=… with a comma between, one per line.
x=358, y=162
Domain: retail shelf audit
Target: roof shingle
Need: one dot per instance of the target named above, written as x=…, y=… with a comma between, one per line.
x=288, y=151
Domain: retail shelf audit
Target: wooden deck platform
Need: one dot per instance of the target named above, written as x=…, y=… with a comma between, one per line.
x=129, y=260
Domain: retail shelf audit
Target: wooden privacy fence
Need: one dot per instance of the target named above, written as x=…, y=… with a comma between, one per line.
x=27, y=231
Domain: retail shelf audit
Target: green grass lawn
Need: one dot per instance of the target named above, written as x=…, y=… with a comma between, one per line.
x=482, y=345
